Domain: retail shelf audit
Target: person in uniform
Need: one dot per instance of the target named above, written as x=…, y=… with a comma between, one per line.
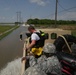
x=34, y=71
x=48, y=62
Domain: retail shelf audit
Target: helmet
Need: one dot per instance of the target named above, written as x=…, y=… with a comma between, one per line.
x=33, y=71
x=49, y=48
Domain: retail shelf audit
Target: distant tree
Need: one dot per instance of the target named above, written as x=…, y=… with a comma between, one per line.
x=16, y=23
x=49, y=22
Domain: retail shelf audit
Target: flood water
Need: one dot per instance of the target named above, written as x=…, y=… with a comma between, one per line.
x=11, y=47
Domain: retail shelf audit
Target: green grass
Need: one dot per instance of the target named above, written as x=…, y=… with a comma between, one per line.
x=5, y=28
x=2, y=36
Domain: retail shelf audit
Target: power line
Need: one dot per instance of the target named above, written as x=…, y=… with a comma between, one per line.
x=61, y=11
x=67, y=9
x=61, y=6
x=18, y=16
x=64, y=8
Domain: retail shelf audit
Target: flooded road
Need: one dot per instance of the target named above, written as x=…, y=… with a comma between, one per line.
x=11, y=47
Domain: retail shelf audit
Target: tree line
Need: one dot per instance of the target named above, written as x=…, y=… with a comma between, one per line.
x=49, y=22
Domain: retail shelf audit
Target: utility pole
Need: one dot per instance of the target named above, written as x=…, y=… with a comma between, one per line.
x=18, y=17
x=56, y=13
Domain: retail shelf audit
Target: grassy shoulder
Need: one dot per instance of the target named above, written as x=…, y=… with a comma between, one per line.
x=6, y=28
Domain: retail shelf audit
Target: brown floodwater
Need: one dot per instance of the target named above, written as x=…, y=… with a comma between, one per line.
x=11, y=47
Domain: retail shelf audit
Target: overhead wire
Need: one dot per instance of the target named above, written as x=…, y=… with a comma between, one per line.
x=74, y=7
x=66, y=9
x=47, y=16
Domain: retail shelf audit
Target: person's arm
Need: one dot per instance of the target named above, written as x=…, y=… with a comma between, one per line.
x=32, y=60
x=27, y=57
x=34, y=38
x=32, y=44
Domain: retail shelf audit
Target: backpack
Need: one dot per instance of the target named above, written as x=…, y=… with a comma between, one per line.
x=44, y=35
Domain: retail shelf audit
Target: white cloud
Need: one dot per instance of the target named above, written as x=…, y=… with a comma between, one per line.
x=39, y=2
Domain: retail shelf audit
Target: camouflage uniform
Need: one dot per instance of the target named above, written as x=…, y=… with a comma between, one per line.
x=32, y=61
x=33, y=71
x=49, y=65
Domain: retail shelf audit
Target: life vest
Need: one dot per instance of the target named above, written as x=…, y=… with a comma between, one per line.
x=40, y=42
x=38, y=47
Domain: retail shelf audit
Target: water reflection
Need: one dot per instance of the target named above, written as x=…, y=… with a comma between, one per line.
x=11, y=47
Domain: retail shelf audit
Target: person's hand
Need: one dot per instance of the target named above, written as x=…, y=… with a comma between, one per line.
x=24, y=58
x=31, y=53
x=25, y=48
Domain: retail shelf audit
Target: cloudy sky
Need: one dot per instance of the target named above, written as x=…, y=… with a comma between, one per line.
x=36, y=9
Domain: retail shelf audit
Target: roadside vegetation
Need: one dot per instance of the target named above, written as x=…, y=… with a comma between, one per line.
x=5, y=30
x=37, y=21
x=48, y=23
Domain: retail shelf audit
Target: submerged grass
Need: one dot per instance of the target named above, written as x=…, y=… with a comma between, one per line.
x=6, y=28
